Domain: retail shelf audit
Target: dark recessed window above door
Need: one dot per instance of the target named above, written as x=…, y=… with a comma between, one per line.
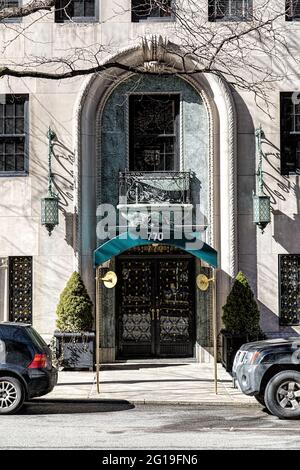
x=154, y=132
x=151, y=10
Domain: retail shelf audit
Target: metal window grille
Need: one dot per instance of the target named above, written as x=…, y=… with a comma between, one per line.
x=289, y=287
x=13, y=115
x=154, y=132
x=20, y=289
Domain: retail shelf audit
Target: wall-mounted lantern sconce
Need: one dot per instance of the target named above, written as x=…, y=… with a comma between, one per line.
x=49, y=204
x=261, y=202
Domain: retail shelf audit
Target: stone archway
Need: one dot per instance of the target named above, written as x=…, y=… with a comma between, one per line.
x=216, y=95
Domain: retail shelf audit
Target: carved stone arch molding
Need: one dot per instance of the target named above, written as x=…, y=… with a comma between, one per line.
x=218, y=98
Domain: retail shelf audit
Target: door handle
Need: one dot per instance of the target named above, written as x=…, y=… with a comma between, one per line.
x=157, y=314
x=153, y=313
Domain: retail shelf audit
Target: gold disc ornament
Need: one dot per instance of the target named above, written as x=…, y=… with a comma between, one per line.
x=202, y=282
x=110, y=279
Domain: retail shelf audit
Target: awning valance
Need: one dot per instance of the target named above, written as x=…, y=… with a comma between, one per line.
x=125, y=241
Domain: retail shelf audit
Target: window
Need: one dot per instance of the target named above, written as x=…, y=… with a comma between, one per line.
x=158, y=10
x=17, y=347
x=20, y=288
x=289, y=133
x=3, y=288
x=292, y=10
x=289, y=289
x=154, y=129
x=9, y=4
x=75, y=10
x=13, y=134
x=229, y=10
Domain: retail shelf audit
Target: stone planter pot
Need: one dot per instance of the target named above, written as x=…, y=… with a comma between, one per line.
x=75, y=350
x=230, y=345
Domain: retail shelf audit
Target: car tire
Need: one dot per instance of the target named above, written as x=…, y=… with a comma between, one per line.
x=12, y=395
x=282, y=395
x=260, y=399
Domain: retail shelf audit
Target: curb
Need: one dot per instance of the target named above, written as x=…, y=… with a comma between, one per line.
x=148, y=402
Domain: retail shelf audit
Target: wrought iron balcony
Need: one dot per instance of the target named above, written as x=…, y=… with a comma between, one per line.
x=154, y=188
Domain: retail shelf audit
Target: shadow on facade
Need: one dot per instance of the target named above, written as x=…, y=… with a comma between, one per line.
x=283, y=225
x=64, y=187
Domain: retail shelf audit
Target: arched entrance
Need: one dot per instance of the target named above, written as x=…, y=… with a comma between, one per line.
x=105, y=149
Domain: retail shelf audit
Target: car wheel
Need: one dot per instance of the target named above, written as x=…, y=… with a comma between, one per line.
x=11, y=395
x=282, y=395
x=260, y=399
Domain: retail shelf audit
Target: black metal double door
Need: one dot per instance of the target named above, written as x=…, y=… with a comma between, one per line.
x=155, y=305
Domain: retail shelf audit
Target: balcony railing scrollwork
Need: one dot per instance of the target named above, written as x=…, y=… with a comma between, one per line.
x=154, y=188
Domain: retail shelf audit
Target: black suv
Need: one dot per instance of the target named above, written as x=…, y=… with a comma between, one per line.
x=270, y=371
x=25, y=366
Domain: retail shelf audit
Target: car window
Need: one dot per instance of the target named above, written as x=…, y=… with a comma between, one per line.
x=2, y=352
x=18, y=349
x=17, y=353
x=36, y=338
x=14, y=334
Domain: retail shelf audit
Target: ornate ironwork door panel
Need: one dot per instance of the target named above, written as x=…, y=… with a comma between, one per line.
x=155, y=307
x=175, y=308
x=135, y=304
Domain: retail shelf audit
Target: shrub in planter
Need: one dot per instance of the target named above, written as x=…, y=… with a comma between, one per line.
x=241, y=318
x=74, y=342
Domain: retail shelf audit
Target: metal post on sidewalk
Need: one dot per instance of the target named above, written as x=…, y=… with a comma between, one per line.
x=98, y=328
x=215, y=329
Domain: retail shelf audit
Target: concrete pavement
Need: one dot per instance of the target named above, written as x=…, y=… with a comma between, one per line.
x=159, y=382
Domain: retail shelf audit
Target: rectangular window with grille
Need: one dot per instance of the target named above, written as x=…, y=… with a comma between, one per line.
x=151, y=10
x=13, y=134
x=229, y=10
x=289, y=289
x=20, y=288
x=292, y=10
x=154, y=132
x=289, y=133
x=75, y=10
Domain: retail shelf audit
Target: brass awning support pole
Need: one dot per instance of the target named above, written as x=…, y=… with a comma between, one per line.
x=98, y=328
x=215, y=330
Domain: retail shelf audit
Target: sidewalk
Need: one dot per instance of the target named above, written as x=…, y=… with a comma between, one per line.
x=155, y=383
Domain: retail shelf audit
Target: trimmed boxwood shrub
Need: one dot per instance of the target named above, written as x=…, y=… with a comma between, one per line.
x=74, y=310
x=240, y=313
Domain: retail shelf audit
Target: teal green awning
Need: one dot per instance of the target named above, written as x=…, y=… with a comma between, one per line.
x=125, y=241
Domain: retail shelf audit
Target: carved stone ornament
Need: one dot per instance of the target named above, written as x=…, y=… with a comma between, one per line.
x=154, y=52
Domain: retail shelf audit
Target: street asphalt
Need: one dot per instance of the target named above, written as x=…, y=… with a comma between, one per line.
x=54, y=424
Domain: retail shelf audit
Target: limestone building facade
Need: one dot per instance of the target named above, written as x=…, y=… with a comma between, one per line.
x=157, y=129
